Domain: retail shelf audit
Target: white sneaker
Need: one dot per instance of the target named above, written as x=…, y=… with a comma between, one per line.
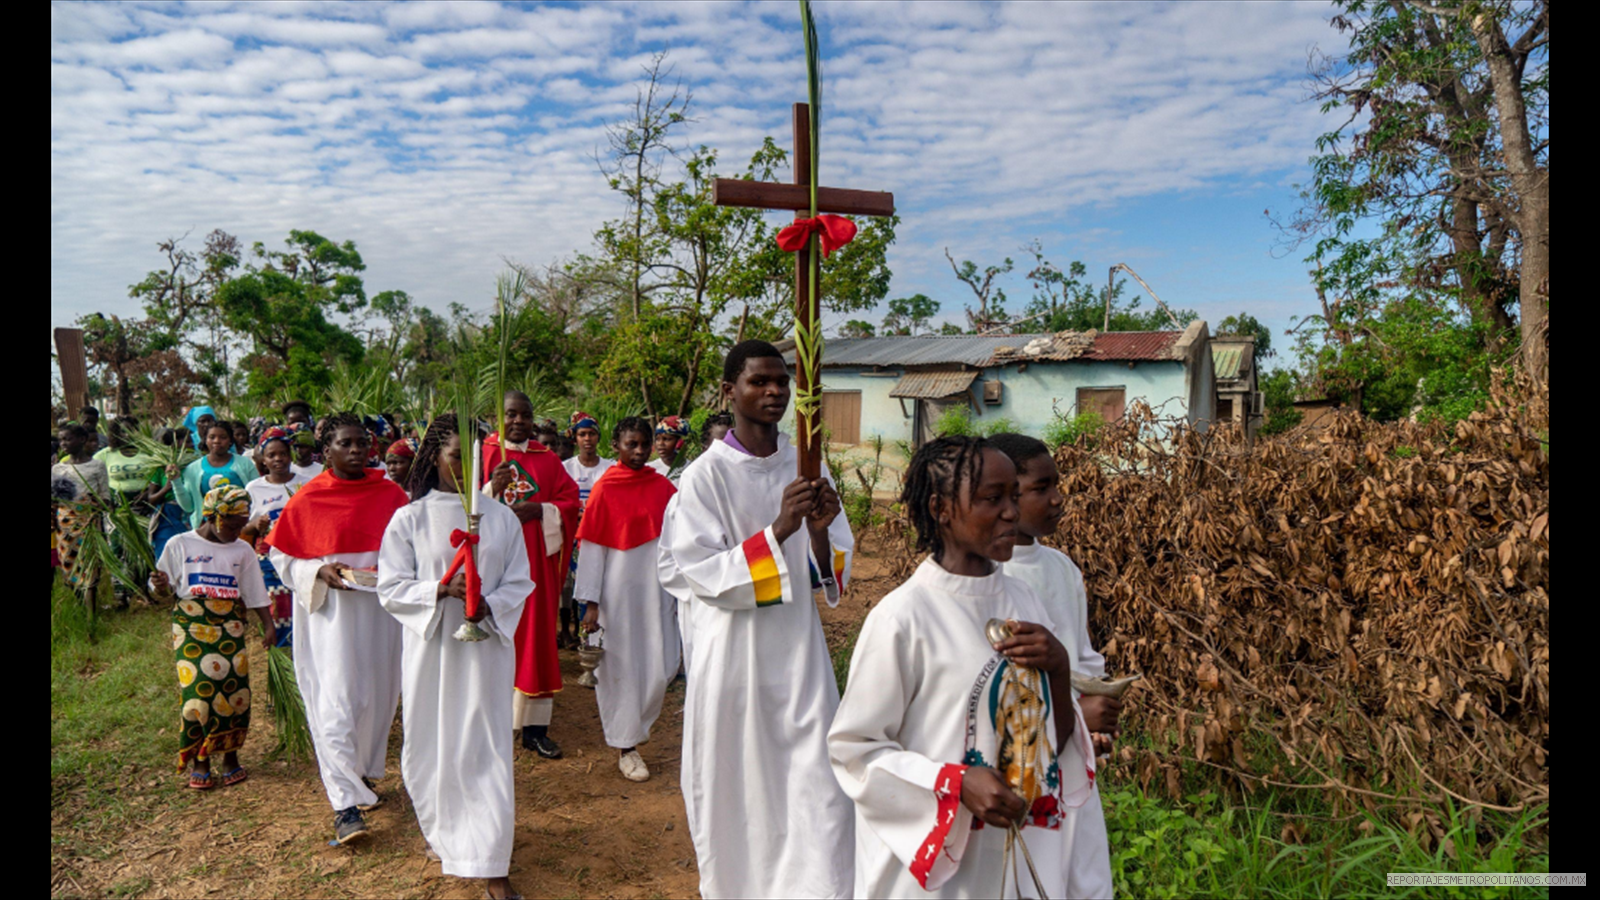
x=633, y=767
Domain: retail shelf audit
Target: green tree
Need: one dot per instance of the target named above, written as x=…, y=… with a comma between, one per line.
x=990, y=296
x=1445, y=148
x=281, y=303
x=1064, y=300
x=180, y=311
x=856, y=328
x=1278, y=388
x=910, y=315
x=1246, y=324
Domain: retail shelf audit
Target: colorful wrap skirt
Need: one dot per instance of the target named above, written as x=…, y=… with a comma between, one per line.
x=73, y=521
x=208, y=639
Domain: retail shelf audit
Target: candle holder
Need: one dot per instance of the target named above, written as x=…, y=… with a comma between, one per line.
x=469, y=631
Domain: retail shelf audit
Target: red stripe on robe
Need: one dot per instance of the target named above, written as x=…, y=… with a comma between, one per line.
x=538, y=667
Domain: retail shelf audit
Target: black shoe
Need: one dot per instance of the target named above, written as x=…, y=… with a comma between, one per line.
x=373, y=787
x=541, y=745
x=348, y=825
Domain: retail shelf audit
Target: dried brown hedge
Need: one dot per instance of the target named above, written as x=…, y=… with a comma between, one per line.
x=1363, y=609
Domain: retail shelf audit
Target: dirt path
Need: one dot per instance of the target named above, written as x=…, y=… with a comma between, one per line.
x=582, y=829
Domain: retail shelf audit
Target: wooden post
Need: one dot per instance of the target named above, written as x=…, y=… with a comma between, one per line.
x=805, y=269
x=807, y=264
x=74, y=365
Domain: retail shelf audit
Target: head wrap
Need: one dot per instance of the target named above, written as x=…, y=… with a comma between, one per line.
x=581, y=419
x=546, y=425
x=405, y=447
x=192, y=418
x=673, y=425
x=272, y=434
x=228, y=500
x=379, y=426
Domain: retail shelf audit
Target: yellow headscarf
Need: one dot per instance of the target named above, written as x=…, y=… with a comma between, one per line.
x=227, y=500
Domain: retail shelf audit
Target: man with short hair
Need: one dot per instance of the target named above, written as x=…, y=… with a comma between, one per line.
x=743, y=546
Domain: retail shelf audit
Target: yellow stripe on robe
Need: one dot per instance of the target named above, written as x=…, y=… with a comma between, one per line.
x=838, y=568
x=763, y=570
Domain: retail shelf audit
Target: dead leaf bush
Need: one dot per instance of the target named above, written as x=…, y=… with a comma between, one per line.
x=1362, y=609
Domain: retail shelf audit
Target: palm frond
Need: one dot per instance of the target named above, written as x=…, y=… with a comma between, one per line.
x=288, y=706
x=146, y=443
x=808, y=338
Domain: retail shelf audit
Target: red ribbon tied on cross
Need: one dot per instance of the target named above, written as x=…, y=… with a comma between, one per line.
x=835, y=232
x=464, y=542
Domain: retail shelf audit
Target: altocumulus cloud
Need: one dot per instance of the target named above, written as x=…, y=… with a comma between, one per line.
x=443, y=137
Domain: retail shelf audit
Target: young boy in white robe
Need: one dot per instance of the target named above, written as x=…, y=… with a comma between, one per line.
x=947, y=739
x=766, y=815
x=617, y=579
x=457, y=756
x=1059, y=584
x=347, y=648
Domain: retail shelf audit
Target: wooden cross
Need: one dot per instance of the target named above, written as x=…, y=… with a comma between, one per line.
x=797, y=196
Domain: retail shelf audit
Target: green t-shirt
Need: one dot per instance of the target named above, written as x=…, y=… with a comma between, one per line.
x=129, y=474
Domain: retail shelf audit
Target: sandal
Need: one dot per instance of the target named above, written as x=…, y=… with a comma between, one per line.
x=201, y=781
x=238, y=774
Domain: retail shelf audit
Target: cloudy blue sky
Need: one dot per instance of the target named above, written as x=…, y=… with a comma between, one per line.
x=445, y=137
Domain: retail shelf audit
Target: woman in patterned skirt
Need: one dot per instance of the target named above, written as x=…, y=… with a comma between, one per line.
x=211, y=577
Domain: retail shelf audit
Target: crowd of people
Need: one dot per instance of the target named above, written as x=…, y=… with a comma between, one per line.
x=395, y=563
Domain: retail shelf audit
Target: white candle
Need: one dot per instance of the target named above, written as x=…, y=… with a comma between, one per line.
x=472, y=476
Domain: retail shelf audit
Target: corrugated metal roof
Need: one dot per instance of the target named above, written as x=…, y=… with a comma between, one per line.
x=1133, y=345
x=921, y=350
x=1225, y=360
x=933, y=385
x=993, y=349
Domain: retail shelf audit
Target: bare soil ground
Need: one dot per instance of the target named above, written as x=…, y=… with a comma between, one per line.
x=582, y=829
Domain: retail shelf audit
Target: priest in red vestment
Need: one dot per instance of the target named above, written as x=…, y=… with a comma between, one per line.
x=529, y=478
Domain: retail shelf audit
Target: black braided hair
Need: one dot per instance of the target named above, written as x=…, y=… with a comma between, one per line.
x=1020, y=447
x=632, y=423
x=716, y=418
x=424, y=475
x=330, y=425
x=948, y=467
x=734, y=363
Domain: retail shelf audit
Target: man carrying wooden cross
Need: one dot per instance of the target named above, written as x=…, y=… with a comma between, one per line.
x=744, y=545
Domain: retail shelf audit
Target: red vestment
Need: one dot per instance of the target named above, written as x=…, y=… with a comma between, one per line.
x=547, y=482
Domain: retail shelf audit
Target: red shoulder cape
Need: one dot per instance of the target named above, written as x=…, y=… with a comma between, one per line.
x=335, y=515
x=626, y=507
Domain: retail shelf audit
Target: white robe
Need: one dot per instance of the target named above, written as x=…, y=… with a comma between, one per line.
x=641, y=637
x=347, y=662
x=918, y=707
x=1059, y=584
x=456, y=759
x=766, y=815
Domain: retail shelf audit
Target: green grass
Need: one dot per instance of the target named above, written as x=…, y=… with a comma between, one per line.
x=108, y=705
x=1206, y=846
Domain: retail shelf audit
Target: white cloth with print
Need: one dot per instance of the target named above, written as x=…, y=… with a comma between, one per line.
x=267, y=499
x=347, y=661
x=1058, y=582
x=456, y=759
x=922, y=673
x=641, y=637
x=767, y=817
x=586, y=476
x=206, y=570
